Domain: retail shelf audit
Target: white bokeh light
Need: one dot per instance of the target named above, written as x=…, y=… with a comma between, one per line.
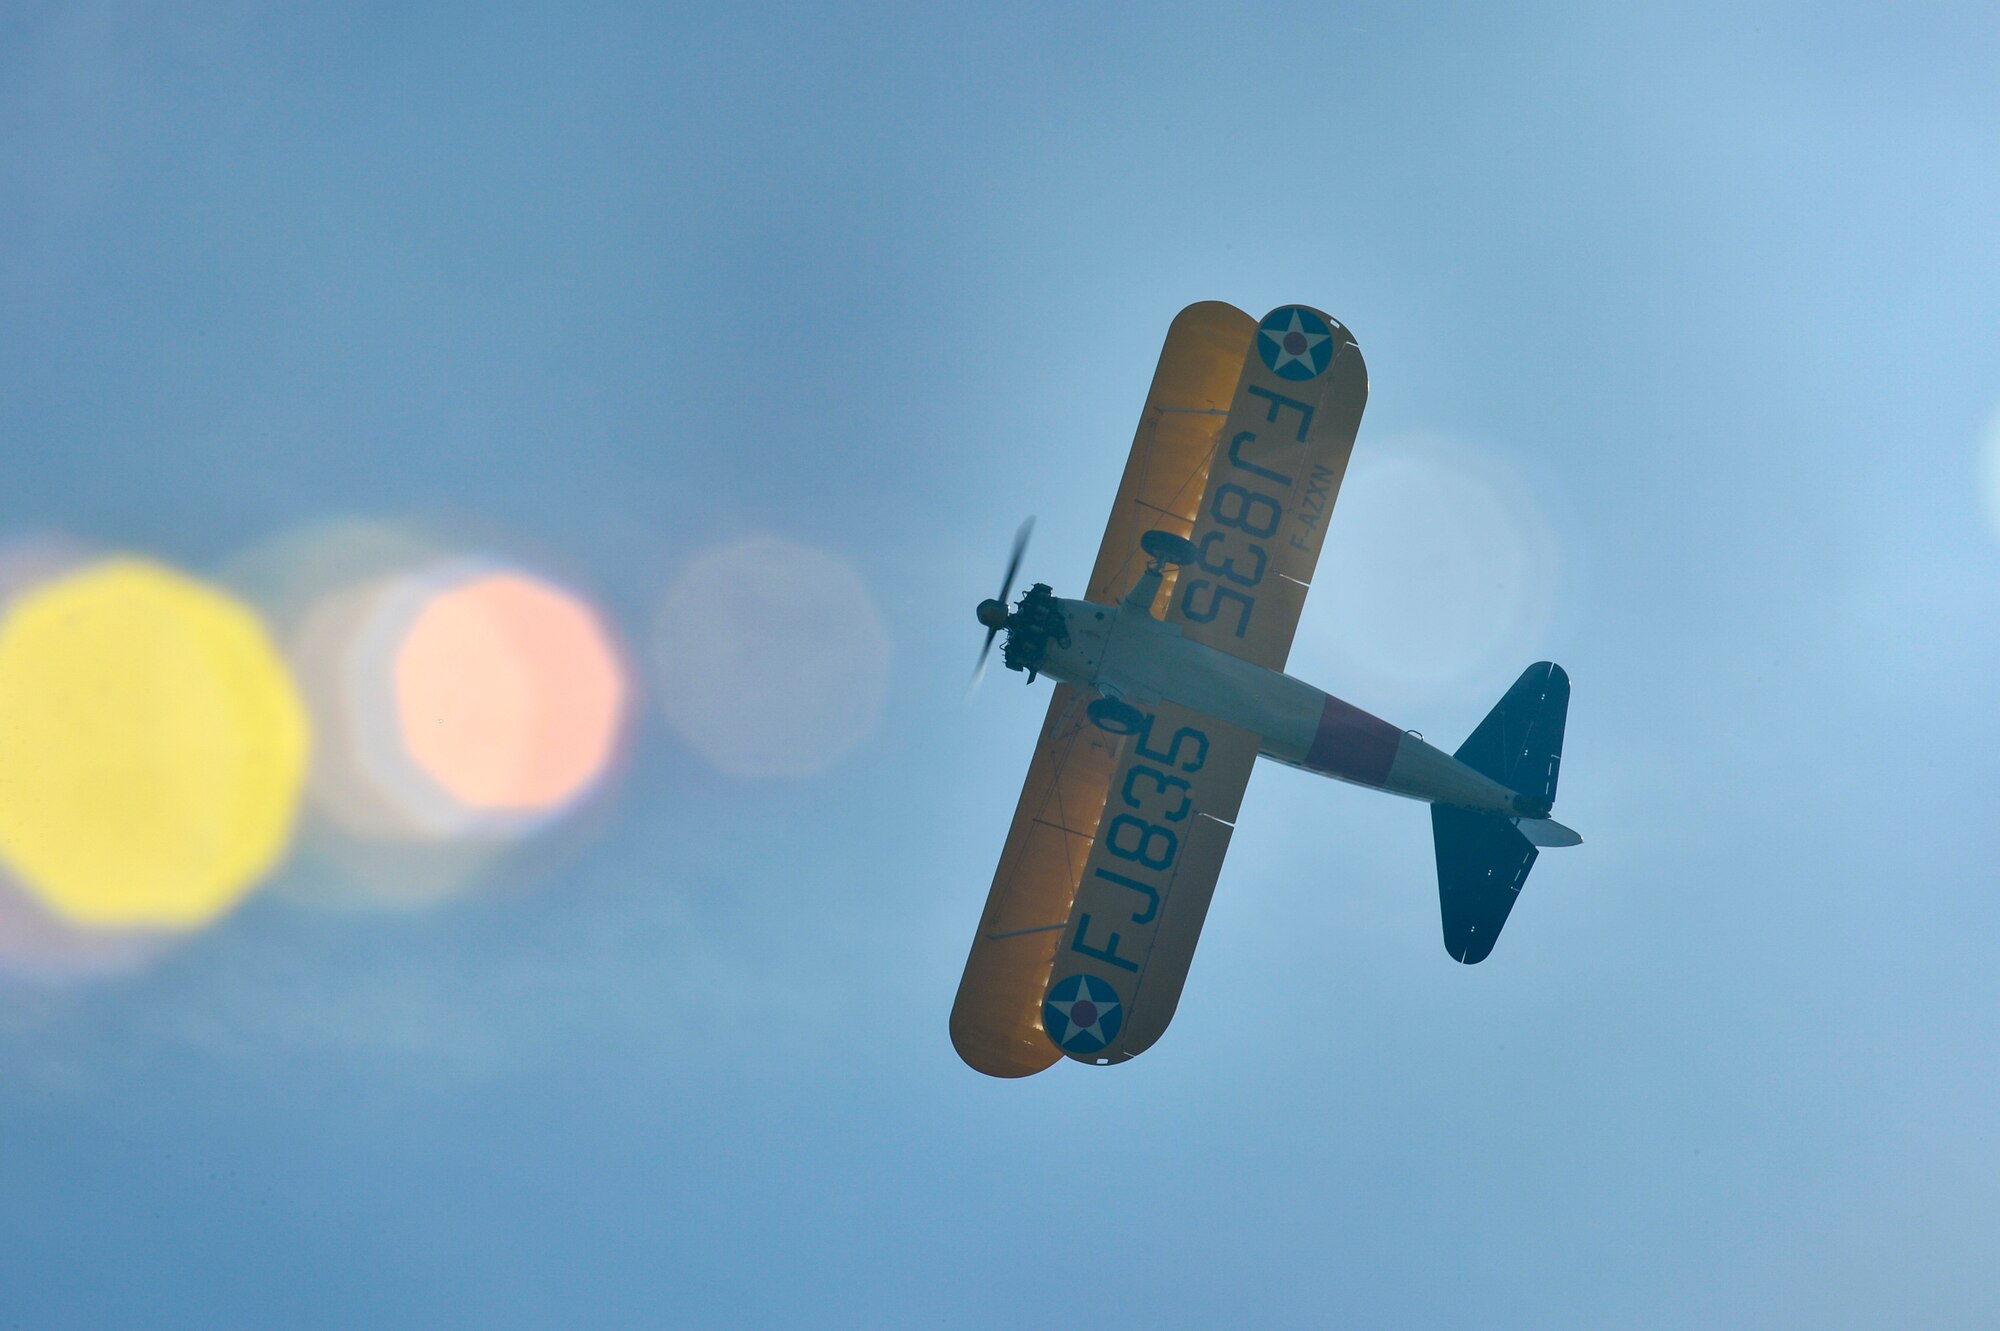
x=771, y=658
x=1438, y=576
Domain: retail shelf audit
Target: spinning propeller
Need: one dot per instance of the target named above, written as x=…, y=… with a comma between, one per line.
x=993, y=614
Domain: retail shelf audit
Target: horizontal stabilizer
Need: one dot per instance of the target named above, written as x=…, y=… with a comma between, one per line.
x=1482, y=861
x=1547, y=832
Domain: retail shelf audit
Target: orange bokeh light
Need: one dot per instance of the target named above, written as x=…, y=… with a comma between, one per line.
x=509, y=693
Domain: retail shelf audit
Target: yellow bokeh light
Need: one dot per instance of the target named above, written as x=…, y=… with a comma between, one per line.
x=152, y=747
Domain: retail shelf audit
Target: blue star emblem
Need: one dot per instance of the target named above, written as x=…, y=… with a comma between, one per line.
x=1082, y=1014
x=1295, y=343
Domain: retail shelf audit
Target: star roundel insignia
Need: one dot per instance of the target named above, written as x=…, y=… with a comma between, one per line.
x=1082, y=1014
x=1295, y=343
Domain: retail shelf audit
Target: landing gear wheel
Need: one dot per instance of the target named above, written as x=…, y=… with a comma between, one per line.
x=1166, y=548
x=1116, y=715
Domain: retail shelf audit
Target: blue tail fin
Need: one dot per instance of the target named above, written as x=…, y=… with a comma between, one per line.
x=1520, y=742
x=1483, y=859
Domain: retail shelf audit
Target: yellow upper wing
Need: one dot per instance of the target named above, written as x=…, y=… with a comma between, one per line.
x=996, y=1022
x=1277, y=466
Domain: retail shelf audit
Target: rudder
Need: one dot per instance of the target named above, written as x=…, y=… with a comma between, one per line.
x=1519, y=744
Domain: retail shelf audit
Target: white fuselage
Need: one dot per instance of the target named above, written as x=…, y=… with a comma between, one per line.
x=1123, y=652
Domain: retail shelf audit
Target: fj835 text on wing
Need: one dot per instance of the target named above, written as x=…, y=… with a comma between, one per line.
x=1170, y=683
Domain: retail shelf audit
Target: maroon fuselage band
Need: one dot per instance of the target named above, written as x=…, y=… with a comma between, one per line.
x=1352, y=744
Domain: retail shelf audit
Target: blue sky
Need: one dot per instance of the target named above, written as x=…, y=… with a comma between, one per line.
x=1708, y=295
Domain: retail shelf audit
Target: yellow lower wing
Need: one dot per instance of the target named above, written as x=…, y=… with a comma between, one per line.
x=1122, y=956
x=1167, y=470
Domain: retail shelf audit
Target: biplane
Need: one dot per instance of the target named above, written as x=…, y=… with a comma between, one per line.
x=1170, y=683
